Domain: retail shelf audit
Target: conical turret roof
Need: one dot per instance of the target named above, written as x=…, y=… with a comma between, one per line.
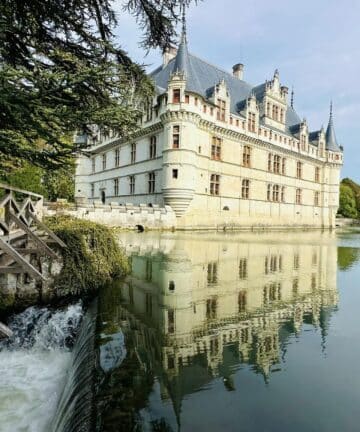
x=331, y=141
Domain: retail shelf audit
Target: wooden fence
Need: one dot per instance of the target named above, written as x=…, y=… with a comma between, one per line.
x=22, y=232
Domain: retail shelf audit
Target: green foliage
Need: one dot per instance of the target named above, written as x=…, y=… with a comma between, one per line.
x=347, y=206
x=92, y=257
x=62, y=70
x=52, y=184
x=356, y=191
x=349, y=199
x=27, y=177
x=347, y=257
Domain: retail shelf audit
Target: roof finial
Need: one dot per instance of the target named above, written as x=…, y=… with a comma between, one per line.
x=292, y=97
x=183, y=32
x=331, y=111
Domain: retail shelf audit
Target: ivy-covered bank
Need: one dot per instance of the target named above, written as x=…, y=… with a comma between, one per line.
x=92, y=258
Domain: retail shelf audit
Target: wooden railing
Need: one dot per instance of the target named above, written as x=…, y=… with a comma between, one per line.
x=22, y=232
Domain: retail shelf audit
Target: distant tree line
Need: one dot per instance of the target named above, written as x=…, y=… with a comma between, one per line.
x=349, y=199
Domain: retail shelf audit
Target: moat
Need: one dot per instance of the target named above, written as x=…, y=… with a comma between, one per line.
x=211, y=332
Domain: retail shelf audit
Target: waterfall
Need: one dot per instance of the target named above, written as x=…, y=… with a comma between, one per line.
x=75, y=409
x=33, y=366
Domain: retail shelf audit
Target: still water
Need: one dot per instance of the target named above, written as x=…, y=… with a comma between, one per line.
x=232, y=332
x=210, y=332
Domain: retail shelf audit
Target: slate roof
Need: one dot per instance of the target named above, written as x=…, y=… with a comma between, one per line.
x=202, y=77
x=331, y=141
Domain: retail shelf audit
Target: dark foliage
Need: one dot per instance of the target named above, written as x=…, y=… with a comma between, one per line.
x=60, y=69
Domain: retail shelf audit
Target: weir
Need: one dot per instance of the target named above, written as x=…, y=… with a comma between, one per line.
x=75, y=408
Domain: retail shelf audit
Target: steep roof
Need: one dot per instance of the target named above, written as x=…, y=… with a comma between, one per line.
x=202, y=77
x=331, y=141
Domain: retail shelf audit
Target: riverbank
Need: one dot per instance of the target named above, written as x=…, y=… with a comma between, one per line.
x=91, y=259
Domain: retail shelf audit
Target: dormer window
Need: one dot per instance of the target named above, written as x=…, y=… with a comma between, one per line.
x=281, y=115
x=252, y=122
x=176, y=96
x=221, y=110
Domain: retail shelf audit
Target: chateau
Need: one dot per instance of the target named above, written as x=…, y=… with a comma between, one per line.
x=219, y=151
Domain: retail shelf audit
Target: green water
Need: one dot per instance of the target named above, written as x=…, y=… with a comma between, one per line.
x=232, y=332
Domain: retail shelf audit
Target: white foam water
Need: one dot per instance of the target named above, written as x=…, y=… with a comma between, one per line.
x=33, y=367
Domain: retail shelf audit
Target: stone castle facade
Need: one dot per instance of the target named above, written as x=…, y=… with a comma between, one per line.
x=219, y=151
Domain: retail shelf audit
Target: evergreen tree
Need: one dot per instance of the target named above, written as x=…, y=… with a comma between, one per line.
x=60, y=70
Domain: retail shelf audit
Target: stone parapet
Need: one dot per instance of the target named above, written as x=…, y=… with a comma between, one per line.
x=126, y=216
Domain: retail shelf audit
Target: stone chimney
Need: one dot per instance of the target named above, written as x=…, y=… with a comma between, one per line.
x=168, y=54
x=238, y=71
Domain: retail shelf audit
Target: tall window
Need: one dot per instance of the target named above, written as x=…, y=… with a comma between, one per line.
x=316, y=198
x=303, y=142
x=282, y=115
x=151, y=182
x=298, y=170
x=148, y=109
x=93, y=166
x=242, y=301
x=243, y=269
x=216, y=148
x=171, y=321
x=212, y=273
x=116, y=187
x=298, y=196
x=268, y=194
x=176, y=137
x=317, y=174
x=270, y=162
x=221, y=109
x=211, y=308
x=251, y=122
x=92, y=190
x=277, y=164
x=214, y=184
x=245, y=189
x=275, y=194
x=187, y=99
x=268, y=110
x=117, y=157
x=152, y=148
x=176, y=96
x=133, y=152
x=247, y=156
x=283, y=166
x=132, y=185
x=148, y=304
x=104, y=161
x=283, y=194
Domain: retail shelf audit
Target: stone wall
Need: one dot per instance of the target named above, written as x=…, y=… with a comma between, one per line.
x=127, y=216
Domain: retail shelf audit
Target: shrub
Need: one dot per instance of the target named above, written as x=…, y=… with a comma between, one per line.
x=92, y=257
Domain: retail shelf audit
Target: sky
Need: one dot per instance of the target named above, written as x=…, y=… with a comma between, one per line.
x=315, y=45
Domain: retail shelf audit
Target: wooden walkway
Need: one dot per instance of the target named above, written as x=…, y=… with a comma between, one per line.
x=23, y=236
x=22, y=232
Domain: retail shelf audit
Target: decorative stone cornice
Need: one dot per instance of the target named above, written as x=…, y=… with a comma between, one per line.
x=217, y=129
x=181, y=115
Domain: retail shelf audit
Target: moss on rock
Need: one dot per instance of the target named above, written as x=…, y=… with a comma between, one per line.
x=92, y=257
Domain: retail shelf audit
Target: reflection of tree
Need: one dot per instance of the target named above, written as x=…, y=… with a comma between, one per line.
x=347, y=257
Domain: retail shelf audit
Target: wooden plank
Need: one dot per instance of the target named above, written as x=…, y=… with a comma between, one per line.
x=48, y=231
x=27, y=267
x=5, y=332
x=11, y=269
x=33, y=236
x=10, y=188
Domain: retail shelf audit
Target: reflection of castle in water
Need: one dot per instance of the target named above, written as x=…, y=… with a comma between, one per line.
x=215, y=302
